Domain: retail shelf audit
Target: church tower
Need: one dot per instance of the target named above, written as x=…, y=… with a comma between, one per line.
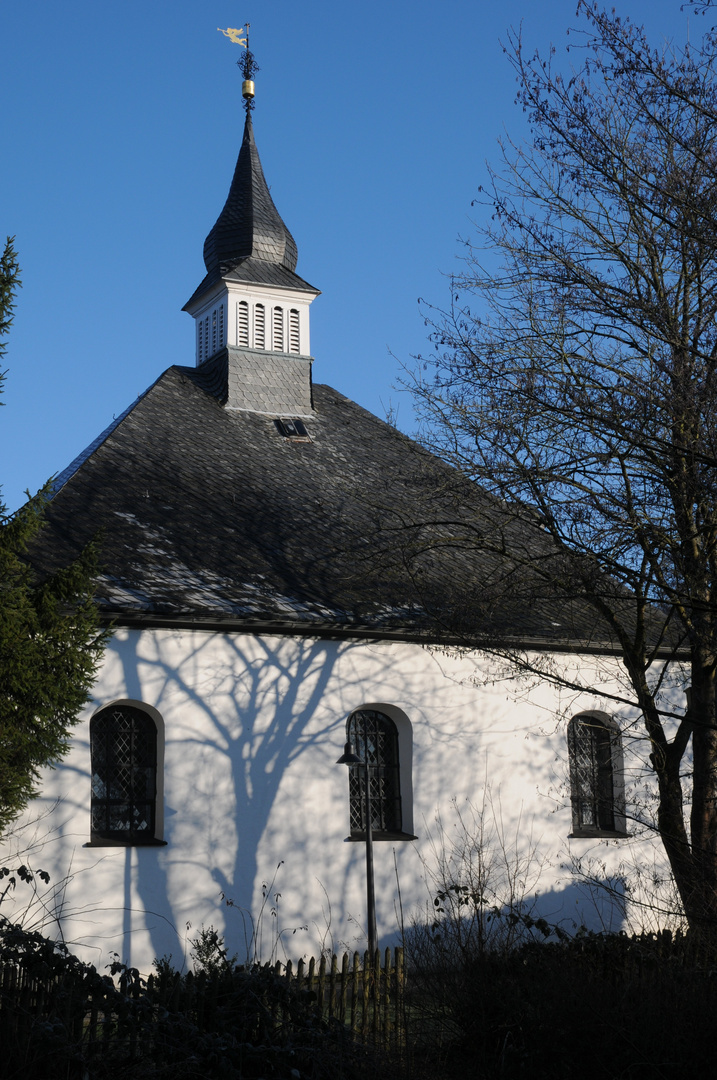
x=252, y=309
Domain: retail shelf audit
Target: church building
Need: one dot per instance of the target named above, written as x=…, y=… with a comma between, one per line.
x=286, y=573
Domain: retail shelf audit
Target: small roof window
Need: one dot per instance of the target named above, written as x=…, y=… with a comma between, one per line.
x=292, y=428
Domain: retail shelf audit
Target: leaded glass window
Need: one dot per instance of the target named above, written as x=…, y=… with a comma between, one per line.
x=123, y=744
x=590, y=750
x=374, y=738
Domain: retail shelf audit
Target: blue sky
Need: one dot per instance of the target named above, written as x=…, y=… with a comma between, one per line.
x=121, y=126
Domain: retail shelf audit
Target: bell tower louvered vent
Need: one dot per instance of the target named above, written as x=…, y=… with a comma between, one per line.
x=252, y=308
x=259, y=327
x=211, y=335
x=277, y=327
x=242, y=323
x=294, y=337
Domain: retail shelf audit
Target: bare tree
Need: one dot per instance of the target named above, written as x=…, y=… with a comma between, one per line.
x=574, y=377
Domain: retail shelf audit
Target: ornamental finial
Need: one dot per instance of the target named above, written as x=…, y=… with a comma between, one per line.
x=248, y=64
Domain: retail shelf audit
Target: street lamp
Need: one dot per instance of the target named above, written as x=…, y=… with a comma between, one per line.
x=350, y=758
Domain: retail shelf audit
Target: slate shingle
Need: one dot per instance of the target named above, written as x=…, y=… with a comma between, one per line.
x=211, y=516
x=249, y=240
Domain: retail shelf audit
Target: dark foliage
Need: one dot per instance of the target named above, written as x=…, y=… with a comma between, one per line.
x=50, y=641
x=228, y=1024
x=599, y=1006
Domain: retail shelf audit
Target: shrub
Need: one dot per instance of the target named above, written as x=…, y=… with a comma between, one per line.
x=599, y=1006
x=60, y=1017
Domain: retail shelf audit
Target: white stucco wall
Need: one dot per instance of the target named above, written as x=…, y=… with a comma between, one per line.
x=253, y=727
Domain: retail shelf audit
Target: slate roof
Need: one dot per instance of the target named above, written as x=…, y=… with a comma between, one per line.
x=257, y=272
x=212, y=517
x=249, y=240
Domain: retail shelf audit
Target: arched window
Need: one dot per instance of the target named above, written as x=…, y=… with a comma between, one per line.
x=123, y=748
x=596, y=787
x=374, y=738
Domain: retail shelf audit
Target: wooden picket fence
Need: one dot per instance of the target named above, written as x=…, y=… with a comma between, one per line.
x=364, y=999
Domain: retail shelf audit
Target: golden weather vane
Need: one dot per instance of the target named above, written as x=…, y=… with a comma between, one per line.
x=247, y=64
x=233, y=35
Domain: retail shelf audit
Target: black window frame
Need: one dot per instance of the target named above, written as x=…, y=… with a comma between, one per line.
x=292, y=428
x=375, y=728
x=124, y=758
x=593, y=754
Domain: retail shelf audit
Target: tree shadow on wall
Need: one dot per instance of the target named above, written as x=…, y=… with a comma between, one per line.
x=239, y=711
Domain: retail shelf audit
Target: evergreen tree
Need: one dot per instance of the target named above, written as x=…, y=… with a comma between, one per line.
x=50, y=638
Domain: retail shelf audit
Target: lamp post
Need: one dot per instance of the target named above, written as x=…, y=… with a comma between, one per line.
x=350, y=758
